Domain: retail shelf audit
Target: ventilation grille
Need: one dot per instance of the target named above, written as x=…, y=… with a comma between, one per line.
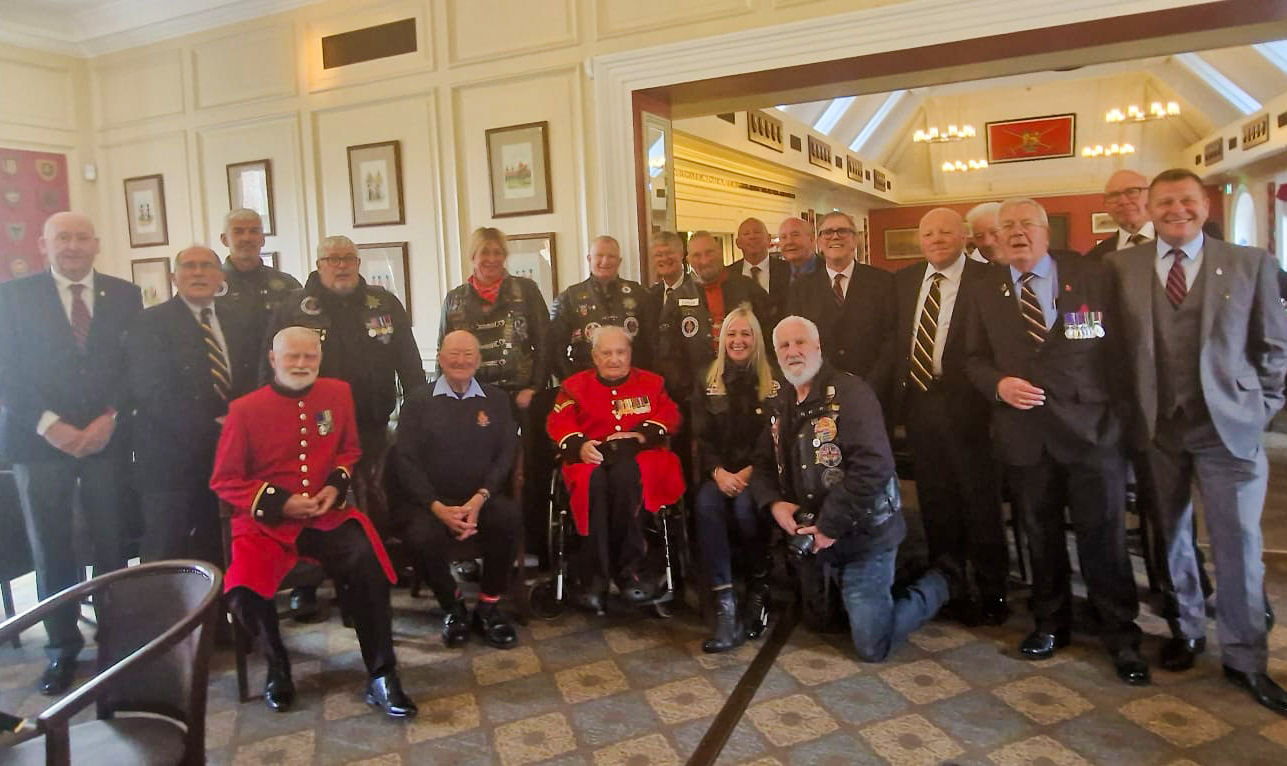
x=369, y=44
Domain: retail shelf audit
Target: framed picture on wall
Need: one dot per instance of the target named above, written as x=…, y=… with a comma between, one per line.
x=902, y=244
x=271, y=259
x=1102, y=223
x=145, y=209
x=533, y=256
x=375, y=184
x=518, y=165
x=388, y=265
x=250, y=185
x=152, y=276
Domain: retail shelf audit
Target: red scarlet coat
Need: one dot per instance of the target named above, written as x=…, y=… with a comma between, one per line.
x=273, y=446
x=586, y=408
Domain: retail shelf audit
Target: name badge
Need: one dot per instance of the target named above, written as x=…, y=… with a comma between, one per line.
x=690, y=301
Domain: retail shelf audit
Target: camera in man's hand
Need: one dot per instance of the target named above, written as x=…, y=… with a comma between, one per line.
x=800, y=546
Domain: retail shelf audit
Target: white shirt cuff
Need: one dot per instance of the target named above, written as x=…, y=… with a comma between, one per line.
x=46, y=420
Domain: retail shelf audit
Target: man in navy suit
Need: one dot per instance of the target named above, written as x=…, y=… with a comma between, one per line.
x=188, y=358
x=63, y=386
x=773, y=275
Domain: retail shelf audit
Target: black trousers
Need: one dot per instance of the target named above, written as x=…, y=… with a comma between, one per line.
x=181, y=523
x=957, y=486
x=539, y=464
x=49, y=490
x=1095, y=497
x=500, y=524
x=363, y=590
x=616, y=545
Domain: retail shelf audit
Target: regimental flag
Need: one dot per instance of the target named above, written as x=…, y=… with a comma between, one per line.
x=1035, y=138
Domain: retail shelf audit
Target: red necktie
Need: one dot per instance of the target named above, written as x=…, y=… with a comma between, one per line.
x=837, y=287
x=1176, y=286
x=79, y=316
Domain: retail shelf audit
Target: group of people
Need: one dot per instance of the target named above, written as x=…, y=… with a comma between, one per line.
x=765, y=391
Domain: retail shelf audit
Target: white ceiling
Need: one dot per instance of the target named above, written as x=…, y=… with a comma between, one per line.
x=92, y=27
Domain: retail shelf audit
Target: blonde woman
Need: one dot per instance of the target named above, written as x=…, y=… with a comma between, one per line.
x=728, y=417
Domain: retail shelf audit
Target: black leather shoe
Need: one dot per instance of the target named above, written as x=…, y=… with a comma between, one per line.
x=455, y=626
x=279, y=691
x=728, y=631
x=494, y=627
x=1131, y=668
x=304, y=606
x=57, y=678
x=1263, y=689
x=636, y=589
x=994, y=611
x=1040, y=645
x=1179, y=653
x=385, y=692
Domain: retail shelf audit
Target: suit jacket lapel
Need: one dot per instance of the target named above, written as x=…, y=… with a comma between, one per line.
x=907, y=319
x=1215, y=264
x=56, y=317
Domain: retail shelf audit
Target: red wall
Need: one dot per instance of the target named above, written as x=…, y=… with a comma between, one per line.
x=1079, y=208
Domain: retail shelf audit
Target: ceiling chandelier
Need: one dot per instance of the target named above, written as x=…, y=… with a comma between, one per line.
x=1113, y=150
x=963, y=167
x=953, y=133
x=1156, y=111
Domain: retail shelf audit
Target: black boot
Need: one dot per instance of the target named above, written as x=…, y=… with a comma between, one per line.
x=755, y=615
x=728, y=630
x=455, y=625
x=279, y=689
x=385, y=692
x=304, y=605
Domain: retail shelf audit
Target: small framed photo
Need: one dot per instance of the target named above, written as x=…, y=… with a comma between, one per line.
x=145, y=207
x=902, y=244
x=271, y=259
x=1102, y=223
x=250, y=185
x=388, y=265
x=375, y=184
x=152, y=275
x=534, y=256
x=518, y=162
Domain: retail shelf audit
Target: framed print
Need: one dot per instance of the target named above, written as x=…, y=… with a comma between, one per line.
x=145, y=207
x=271, y=259
x=518, y=164
x=902, y=244
x=388, y=265
x=533, y=256
x=250, y=185
x=1102, y=223
x=1032, y=138
x=152, y=275
x=375, y=184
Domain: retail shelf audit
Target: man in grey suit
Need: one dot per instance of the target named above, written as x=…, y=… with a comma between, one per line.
x=1208, y=342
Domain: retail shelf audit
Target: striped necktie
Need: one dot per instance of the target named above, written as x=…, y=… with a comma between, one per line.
x=79, y=316
x=219, y=375
x=1176, y=285
x=1034, y=320
x=922, y=372
x=838, y=288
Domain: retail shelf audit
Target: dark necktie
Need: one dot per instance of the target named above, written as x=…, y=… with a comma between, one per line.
x=1034, y=321
x=219, y=375
x=838, y=287
x=79, y=316
x=922, y=373
x=755, y=273
x=1137, y=239
x=1176, y=286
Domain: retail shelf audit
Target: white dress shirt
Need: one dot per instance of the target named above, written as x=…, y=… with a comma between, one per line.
x=849, y=277
x=1124, y=238
x=214, y=326
x=1191, y=264
x=63, y=285
x=762, y=279
x=975, y=255
x=948, y=287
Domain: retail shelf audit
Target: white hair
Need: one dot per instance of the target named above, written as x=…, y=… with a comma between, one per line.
x=295, y=331
x=334, y=241
x=982, y=210
x=239, y=214
x=1020, y=201
x=810, y=328
x=601, y=334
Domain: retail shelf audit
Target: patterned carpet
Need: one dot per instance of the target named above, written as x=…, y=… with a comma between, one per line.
x=633, y=689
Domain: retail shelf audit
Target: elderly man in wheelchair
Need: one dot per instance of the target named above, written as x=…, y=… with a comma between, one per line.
x=610, y=424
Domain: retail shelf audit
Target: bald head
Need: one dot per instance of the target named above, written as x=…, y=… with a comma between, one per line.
x=458, y=358
x=69, y=244
x=1126, y=199
x=296, y=357
x=753, y=240
x=795, y=241
x=942, y=236
x=197, y=276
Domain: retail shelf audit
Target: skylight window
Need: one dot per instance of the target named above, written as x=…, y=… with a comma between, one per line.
x=873, y=124
x=833, y=114
x=1241, y=100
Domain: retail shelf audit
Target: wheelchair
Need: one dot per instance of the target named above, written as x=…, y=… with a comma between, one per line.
x=667, y=529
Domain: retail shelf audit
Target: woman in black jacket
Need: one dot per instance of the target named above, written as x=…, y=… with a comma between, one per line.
x=728, y=416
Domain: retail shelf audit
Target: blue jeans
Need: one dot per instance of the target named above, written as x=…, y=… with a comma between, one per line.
x=713, y=517
x=878, y=621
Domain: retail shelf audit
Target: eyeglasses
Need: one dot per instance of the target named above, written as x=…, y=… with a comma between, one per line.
x=846, y=232
x=335, y=261
x=1026, y=225
x=1131, y=193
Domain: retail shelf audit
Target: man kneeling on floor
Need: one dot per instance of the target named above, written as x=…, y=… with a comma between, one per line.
x=454, y=455
x=283, y=464
x=825, y=471
x=610, y=424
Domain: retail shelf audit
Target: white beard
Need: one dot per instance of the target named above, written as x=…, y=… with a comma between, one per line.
x=297, y=384
x=811, y=367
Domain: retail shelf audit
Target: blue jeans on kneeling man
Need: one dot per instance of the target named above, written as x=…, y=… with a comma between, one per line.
x=878, y=622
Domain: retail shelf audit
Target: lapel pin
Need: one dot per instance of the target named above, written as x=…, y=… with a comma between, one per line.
x=1219, y=272
x=1067, y=288
x=102, y=293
